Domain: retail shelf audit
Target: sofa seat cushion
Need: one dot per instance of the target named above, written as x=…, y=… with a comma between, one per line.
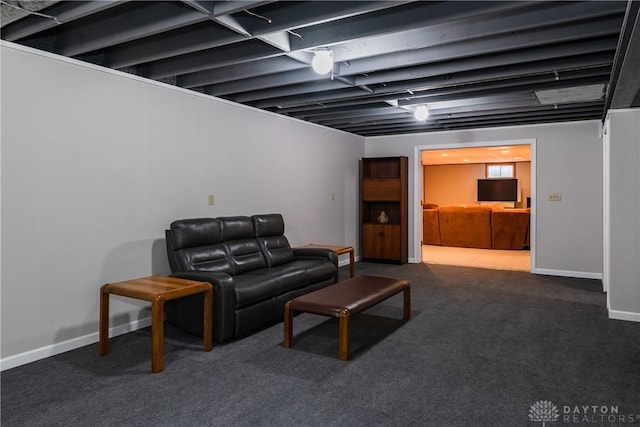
x=253, y=288
x=315, y=271
x=303, y=272
x=287, y=278
x=280, y=279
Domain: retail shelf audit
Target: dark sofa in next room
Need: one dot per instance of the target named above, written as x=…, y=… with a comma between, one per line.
x=253, y=270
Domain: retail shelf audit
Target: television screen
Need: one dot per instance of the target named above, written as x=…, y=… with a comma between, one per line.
x=498, y=190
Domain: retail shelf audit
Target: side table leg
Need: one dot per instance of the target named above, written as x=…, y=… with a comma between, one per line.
x=352, y=268
x=208, y=319
x=288, y=325
x=407, y=303
x=157, y=335
x=103, y=344
x=343, y=338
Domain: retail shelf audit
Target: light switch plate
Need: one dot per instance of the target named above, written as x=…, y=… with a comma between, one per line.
x=554, y=197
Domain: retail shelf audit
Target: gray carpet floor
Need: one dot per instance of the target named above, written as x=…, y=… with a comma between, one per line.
x=482, y=347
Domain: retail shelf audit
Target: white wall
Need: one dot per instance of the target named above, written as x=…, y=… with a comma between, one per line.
x=95, y=166
x=568, y=160
x=623, y=226
x=450, y=185
x=456, y=184
x=523, y=173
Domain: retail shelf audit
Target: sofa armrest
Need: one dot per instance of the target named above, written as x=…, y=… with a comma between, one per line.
x=215, y=278
x=327, y=254
x=223, y=287
x=319, y=253
x=224, y=300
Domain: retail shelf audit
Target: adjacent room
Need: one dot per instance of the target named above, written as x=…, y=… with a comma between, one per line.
x=486, y=196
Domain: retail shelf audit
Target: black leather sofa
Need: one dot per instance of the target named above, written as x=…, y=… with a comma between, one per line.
x=253, y=270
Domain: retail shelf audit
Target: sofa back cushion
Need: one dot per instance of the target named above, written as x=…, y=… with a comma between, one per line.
x=239, y=240
x=196, y=245
x=190, y=233
x=509, y=229
x=269, y=230
x=468, y=227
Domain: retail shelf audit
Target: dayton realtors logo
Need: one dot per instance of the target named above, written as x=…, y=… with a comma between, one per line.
x=543, y=410
x=546, y=411
x=597, y=414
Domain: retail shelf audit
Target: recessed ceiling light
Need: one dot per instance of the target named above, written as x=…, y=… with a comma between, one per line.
x=465, y=160
x=444, y=154
x=517, y=158
x=505, y=151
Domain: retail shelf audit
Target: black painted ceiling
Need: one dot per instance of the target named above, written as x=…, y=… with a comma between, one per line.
x=474, y=64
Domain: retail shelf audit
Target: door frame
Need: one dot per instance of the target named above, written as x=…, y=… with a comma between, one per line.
x=419, y=190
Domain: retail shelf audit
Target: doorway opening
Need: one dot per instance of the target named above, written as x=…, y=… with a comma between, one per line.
x=459, y=221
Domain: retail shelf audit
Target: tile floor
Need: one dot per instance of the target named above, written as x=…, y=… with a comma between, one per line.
x=482, y=258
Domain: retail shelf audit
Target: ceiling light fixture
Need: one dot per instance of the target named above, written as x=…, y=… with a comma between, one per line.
x=322, y=61
x=421, y=113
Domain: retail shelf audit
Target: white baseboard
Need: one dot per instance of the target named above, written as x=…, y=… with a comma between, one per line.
x=624, y=315
x=344, y=262
x=347, y=261
x=567, y=273
x=72, y=344
x=357, y=258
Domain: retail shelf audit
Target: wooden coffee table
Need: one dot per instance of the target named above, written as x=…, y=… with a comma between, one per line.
x=156, y=289
x=339, y=250
x=343, y=301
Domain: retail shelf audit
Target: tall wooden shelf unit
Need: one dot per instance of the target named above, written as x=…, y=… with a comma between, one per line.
x=384, y=187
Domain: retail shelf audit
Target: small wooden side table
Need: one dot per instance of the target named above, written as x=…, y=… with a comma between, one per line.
x=339, y=250
x=156, y=289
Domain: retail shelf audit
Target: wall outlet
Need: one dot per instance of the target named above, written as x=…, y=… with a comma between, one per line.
x=333, y=197
x=554, y=197
x=211, y=199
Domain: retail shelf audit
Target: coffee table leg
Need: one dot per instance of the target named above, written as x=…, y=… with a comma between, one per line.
x=288, y=325
x=407, y=303
x=343, y=351
x=157, y=335
x=103, y=346
x=208, y=319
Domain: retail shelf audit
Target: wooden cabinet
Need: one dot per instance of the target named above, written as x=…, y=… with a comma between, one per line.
x=384, y=187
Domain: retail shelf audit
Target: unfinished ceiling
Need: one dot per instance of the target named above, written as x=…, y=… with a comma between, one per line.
x=474, y=64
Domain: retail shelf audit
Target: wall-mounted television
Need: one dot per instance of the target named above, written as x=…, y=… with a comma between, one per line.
x=498, y=190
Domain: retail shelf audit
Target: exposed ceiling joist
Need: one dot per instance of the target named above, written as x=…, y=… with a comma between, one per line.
x=474, y=63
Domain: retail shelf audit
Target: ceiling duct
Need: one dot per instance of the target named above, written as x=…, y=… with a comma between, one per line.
x=569, y=95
